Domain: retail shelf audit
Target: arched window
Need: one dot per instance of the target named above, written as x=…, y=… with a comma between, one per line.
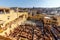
x=1, y=11
x=7, y=11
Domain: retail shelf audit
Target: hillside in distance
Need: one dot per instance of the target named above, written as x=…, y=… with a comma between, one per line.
x=41, y=10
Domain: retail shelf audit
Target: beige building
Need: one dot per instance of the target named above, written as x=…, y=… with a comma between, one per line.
x=7, y=15
x=58, y=20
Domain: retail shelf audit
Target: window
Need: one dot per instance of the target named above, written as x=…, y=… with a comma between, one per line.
x=1, y=11
x=8, y=17
x=7, y=11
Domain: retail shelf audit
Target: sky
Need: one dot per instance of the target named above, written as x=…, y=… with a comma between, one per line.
x=30, y=3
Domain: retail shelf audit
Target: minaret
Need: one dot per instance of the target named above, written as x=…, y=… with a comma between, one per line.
x=17, y=12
